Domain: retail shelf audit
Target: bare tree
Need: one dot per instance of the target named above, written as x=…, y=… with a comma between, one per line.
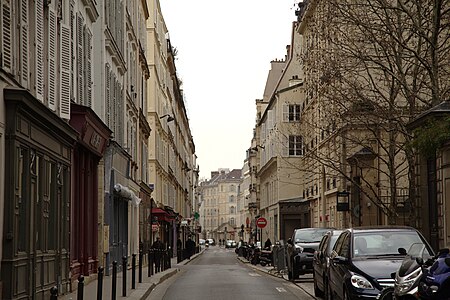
x=371, y=66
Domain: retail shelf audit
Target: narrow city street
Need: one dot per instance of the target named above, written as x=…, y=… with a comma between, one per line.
x=218, y=274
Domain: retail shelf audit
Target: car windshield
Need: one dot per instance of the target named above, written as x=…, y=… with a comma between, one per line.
x=312, y=235
x=384, y=243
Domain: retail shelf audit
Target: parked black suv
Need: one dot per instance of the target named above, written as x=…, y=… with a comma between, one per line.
x=364, y=258
x=300, y=250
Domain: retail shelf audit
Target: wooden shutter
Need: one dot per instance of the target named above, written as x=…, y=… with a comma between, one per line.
x=108, y=95
x=72, y=50
x=285, y=112
x=88, y=66
x=52, y=49
x=24, y=28
x=7, y=36
x=114, y=96
x=66, y=60
x=80, y=82
x=39, y=49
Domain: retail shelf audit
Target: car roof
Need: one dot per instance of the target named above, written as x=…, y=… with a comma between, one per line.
x=310, y=228
x=335, y=231
x=380, y=228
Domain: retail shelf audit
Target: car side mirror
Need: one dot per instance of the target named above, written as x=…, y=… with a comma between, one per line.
x=419, y=261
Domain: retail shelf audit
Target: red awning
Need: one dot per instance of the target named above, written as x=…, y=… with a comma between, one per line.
x=160, y=215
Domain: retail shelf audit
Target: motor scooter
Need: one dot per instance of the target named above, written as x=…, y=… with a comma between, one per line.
x=435, y=281
x=407, y=277
x=265, y=257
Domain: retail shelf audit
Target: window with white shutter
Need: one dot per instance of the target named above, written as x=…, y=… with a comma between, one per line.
x=116, y=109
x=23, y=46
x=80, y=55
x=108, y=95
x=295, y=145
x=121, y=115
x=291, y=112
x=65, y=84
x=52, y=46
x=39, y=26
x=88, y=66
x=72, y=49
x=112, y=107
x=6, y=28
x=285, y=112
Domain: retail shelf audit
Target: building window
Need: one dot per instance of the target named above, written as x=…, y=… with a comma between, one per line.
x=291, y=113
x=295, y=145
x=231, y=198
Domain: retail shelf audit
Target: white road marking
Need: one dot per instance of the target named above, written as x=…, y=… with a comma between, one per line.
x=254, y=274
x=281, y=290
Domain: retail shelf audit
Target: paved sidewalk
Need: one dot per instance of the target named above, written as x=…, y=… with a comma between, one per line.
x=141, y=291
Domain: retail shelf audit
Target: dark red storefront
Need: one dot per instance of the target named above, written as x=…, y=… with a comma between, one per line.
x=92, y=142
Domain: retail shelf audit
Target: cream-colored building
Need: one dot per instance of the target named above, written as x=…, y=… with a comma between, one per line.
x=172, y=165
x=331, y=139
x=220, y=204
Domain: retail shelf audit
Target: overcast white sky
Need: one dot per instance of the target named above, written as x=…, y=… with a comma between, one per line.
x=224, y=53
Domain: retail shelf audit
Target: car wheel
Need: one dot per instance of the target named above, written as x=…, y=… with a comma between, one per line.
x=387, y=294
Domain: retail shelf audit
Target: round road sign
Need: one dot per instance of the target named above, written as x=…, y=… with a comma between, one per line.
x=261, y=222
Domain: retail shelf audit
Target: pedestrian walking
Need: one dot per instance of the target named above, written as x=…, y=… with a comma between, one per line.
x=157, y=249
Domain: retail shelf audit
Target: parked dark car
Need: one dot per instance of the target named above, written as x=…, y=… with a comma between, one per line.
x=321, y=262
x=300, y=250
x=364, y=258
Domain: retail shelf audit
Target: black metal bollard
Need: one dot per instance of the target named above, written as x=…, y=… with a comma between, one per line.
x=169, y=260
x=80, y=291
x=157, y=259
x=54, y=293
x=178, y=255
x=133, y=271
x=140, y=266
x=124, y=276
x=100, y=283
x=114, y=280
x=162, y=259
x=150, y=262
x=166, y=256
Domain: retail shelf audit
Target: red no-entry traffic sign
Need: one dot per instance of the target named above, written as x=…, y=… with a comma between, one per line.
x=261, y=222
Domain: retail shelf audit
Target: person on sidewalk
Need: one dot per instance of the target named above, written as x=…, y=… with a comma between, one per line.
x=268, y=244
x=157, y=253
x=190, y=248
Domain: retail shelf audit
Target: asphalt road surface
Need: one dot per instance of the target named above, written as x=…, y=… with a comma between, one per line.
x=217, y=274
